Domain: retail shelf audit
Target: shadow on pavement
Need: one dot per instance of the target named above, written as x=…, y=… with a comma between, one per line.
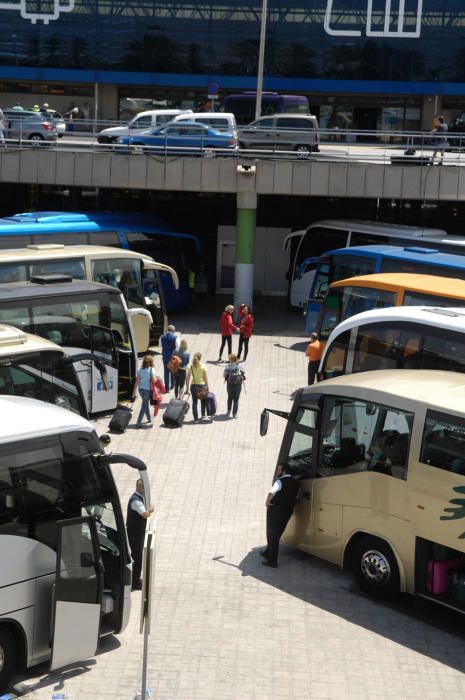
x=408, y=621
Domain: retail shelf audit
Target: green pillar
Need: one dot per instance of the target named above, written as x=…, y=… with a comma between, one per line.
x=245, y=248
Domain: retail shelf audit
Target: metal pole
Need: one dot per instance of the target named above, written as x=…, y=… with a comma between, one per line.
x=144, y=664
x=261, y=59
x=95, y=107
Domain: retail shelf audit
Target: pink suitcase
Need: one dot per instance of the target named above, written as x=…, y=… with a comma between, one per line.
x=437, y=574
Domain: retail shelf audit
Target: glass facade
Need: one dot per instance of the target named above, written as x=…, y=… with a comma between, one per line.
x=332, y=39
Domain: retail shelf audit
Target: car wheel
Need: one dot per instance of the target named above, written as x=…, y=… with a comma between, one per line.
x=303, y=148
x=375, y=568
x=36, y=138
x=7, y=658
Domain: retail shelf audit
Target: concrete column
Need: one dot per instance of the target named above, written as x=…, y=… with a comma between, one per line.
x=245, y=248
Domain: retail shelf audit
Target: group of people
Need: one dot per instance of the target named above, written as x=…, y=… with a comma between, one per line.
x=190, y=377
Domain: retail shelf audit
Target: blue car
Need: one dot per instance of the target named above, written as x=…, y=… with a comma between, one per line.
x=186, y=138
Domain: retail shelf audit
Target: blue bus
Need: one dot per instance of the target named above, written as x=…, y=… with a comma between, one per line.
x=344, y=263
x=138, y=232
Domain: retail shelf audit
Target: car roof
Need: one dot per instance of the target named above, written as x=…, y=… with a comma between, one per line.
x=42, y=419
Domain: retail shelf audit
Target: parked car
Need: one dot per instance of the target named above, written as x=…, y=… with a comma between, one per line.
x=144, y=121
x=183, y=138
x=28, y=125
x=219, y=121
x=282, y=132
x=59, y=121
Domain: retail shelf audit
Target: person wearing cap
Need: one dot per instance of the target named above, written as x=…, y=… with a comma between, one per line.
x=169, y=342
x=226, y=328
x=44, y=109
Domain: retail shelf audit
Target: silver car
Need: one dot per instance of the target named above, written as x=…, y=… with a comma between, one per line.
x=282, y=132
x=27, y=125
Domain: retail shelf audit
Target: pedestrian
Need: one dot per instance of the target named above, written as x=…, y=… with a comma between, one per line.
x=440, y=140
x=169, y=343
x=226, y=328
x=145, y=380
x=314, y=352
x=234, y=376
x=280, y=504
x=44, y=109
x=136, y=521
x=180, y=375
x=197, y=380
x=246, y=321
x=2, y=128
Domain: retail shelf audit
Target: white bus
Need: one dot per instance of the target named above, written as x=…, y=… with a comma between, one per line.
x=322, y=236
x=400, y=337
x=134, y=274
x=81, y=317
x=65, y=578
x=36, y=368
x=380, y=458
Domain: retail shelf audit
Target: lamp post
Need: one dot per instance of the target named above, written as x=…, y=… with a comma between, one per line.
x=261, y=60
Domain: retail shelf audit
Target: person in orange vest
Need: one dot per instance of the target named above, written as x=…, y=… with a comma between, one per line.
x=314, y=352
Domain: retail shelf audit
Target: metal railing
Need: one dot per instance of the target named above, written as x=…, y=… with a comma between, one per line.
x=335, y=145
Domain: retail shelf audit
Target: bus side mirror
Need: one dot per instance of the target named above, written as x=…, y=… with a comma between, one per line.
x=370, y=409
x=264, y=420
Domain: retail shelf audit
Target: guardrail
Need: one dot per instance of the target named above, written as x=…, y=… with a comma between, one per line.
x=335, y=145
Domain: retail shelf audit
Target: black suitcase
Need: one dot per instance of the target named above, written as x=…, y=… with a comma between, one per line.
x=175, y=412
x=120, y=419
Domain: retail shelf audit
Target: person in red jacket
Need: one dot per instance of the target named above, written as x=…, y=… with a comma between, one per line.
x=226, y=328
x=245, y=328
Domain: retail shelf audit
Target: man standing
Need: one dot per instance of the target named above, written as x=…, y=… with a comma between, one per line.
x=440, y=140
x=169, y=343
x=280, y=504
x=136, y=521
x=314, y=352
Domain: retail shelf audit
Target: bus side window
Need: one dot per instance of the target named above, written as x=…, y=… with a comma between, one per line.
x=443, y=444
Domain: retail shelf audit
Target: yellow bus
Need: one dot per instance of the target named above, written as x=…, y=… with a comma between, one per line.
x=136, y=275
x=351, y=296
x=380, y=458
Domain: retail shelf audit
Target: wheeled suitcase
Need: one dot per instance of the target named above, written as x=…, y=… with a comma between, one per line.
x=211, y=404
x=175, y=412
x=120, y=419
x=437, y=574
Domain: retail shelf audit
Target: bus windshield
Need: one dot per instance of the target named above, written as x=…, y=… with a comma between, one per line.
x=43, y=376
x=50, y=478
x=343, y=302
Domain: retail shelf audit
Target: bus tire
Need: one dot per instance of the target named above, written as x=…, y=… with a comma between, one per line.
x=7, y=658
x=375, y=568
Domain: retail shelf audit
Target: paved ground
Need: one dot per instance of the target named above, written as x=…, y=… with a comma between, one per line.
x=225, y=627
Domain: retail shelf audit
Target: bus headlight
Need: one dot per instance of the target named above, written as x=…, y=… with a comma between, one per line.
x=62, y=401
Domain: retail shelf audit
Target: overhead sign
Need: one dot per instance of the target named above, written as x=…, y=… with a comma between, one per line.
x=58, y=6
x=213, y=90
x=396, y=23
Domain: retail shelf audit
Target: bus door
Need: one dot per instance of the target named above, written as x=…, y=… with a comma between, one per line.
x=154, y=295
x=316, y=291
x=78, y=592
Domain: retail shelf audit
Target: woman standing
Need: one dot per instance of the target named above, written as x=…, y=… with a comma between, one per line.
x=245, y=328
x=226, y=327
x=145, y=378
x=234, y=376
x=180, y=376
x=198, y=381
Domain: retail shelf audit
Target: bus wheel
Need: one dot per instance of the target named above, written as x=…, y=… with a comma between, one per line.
x=7, y=658
x=375, y=568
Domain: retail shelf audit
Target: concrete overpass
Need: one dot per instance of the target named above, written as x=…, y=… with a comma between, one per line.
x=245, y=177
x=301, y=178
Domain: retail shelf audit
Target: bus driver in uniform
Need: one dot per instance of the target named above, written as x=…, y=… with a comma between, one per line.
x=280, y=504
x=136, y=522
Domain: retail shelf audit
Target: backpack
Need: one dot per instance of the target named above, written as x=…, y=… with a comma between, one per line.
x=235, y=375
x=174, y=363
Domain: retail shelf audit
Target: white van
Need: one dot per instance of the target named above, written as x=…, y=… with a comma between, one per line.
x=142, y=122
x=220, y=121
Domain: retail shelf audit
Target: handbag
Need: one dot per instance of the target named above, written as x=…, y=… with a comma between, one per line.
x=201, y=392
